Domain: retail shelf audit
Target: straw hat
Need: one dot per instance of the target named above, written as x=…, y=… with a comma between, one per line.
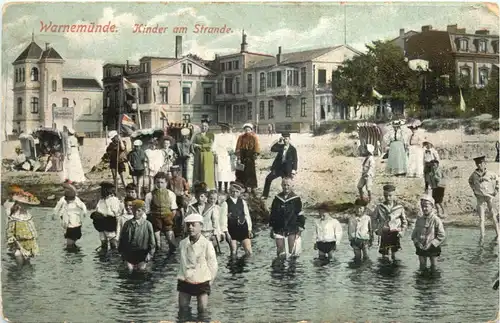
x=193, y=218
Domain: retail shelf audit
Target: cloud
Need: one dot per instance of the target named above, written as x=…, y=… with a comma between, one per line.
x=184, y=14
x=84, y=68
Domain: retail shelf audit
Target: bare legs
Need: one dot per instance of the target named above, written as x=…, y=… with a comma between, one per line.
x=360, y=254
x=170, y=236
x=484, y=203
x=423, y=262
x=247, y=246
x=113, y=172
x=140, y=266
x=185, y=301
x=292, y=245
x=139, y=183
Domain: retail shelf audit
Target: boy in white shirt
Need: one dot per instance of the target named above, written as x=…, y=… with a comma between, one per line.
x=198, y=265
x=360, y=231
x=70, y=210
x=327, y=233
x=367, y=173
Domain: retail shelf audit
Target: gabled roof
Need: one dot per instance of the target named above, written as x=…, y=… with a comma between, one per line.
x=409, y=33
x=51, y=53
x=33, y=51
x=81, y=83
x=185, y=58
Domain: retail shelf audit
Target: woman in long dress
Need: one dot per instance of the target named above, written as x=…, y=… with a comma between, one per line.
x=416, y=154
x=21, y=233
x=73, y=169
x=247, y=150
x=204, y=159
x=397, y=162
x=225, y=144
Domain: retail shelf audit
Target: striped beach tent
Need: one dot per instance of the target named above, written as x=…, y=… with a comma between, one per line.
x=370, y=133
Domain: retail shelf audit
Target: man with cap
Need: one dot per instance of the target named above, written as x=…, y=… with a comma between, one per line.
x=70, y=210
x=484, y=184
x=430, y=154
x=137, y=163
x=390, y=223
x=117, y=153
x=184, y=151
x=428, y=234
x=367, y=173
x=285, y=162
x=235, y=220
x=137, y=239
x=247, y=150
x=198, y=265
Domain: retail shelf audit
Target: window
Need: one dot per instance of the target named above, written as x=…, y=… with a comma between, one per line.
x=183, y=68
x=115, y=98
x=269, y=80
x=207, y=95
x=54, y=85
x=19, y=106
x=303, y=77
x=34, y=105
x=270, y=109
x=249, y=111
x=494, y=44
x=483, y=76
x=186, y=95
x=262, y=85
x=229, y=85
x=186, y=118
x=17, y=75
x=145, y=97
x=190, y=68
x=321, y=77
x=65, y=102
x=23, y=73
x=229, y=66
x=303, y=107
x=288, y=108
x=219, y=87
x=465, y=75
x=481, y=46
x=262, y=112
x=87, y=107
x=187, y=68
x=322, y=109
x=53, y=106
x=237, y=85
x=278, y=78
x=249, y=83
x=164, y=94
x=296, y=78
x=464, y=44
x=329, y=108
x=236, y=65
x=34, y=74
x=222, y=67
x=289, y=77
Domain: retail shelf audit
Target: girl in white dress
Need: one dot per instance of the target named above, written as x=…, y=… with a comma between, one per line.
x=416, y=154
x=73, y=169
x=224, y=148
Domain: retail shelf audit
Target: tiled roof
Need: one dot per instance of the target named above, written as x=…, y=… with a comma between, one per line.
x=51, y=53
x=33, y=51
x=81, y=83
x=294, y=57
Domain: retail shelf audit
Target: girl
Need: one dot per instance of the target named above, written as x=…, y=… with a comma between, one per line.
x=154, y=161
x=225, y=149
x=359, y=230
x=428, y=234
x=108, y=209
x=70, y=210
x=415, y=154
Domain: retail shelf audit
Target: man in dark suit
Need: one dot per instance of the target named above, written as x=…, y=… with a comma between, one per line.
x=285, y=163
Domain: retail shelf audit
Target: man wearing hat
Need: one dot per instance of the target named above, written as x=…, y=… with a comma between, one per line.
x=389, y=223
x=484, y=184
x=117, y=153
x=137, y=239
x=137, y=163
x=430, y=155
x=198, y=265
x=247, y=150
x=184, y=151
x=367, y=173
x=285, y=162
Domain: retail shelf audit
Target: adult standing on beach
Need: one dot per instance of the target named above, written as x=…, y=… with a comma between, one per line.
x=204, y=160
x=415, y=153
x=397, y=162
x=247, y=150
x=117, y=153
x=184, y=152
x=224, y=148
x=73, y=169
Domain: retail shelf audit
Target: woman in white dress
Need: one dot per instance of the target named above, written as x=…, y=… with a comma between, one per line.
x=73, y=169
x=154, y=161
x=416, y=154
x=224, y=148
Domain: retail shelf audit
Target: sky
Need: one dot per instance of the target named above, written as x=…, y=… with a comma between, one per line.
x=293, y=26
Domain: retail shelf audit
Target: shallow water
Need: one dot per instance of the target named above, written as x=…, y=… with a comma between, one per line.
x=84, y=287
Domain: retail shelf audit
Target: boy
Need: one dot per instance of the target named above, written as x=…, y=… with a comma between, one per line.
x=428, y=234
x=127, y=214
x=161, y=207
x=430, y=154
x=137, y=164
x=367, y=173
x=359, y=230
x=209, y=213
x=71, y=210
x=327, y=233
x=198, y=265
x=390, y=223
x=180, y=187
x=137, y=239
x=168, y=156
x=484, y=184
x=287, y=219
x=437, y=184
x=236, y=221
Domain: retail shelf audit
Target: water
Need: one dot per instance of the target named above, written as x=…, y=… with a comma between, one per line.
x=83, y=287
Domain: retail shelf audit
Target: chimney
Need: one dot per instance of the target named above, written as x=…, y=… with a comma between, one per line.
x=178, y=46
x=402, y=33
x=127, y=66
x=244, y=45
x=278, y=57
x=426, y=28
x=482, y=32
x=451, y=28
x=47, y=46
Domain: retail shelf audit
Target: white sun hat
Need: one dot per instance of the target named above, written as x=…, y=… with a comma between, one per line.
x=249, y=125
x=137, y=142
x=193, y=218
x=112, y=134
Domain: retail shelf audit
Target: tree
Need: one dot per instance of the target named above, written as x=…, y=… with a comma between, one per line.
x=484, y=100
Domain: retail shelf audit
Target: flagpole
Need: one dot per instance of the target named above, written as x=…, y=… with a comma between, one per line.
x=120, y=110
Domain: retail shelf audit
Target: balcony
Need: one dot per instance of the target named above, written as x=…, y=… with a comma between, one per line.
x=284, y=91
x=224, y=97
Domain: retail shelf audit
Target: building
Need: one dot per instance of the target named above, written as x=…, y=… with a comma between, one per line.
x=290, y=90
x=178, y=89
x=456, y=54
x=402, y=39
x=40, y=90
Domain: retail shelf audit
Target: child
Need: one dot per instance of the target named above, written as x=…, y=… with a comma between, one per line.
x=236, y=221
x=154, y=161
x=390, y=223
x=70, y=210
x=198, y=265
x=437, y=184
x=367, y=173
x=428, y=234
x=430, y=154
x=209, y=213
x=327, y=233
x=359, y=230
x=127, y=214
x=108, y=209
x=137, y=239
x=137, y=164
x=168, y=156
x=161, y=206
x=287, y=219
